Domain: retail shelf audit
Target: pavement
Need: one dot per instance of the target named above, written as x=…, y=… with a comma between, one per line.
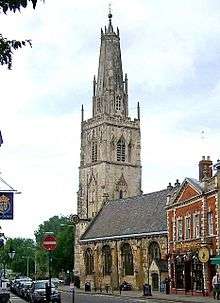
x=158, y=296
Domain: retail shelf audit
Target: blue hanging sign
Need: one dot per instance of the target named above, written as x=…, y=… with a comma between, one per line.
x=6, y=205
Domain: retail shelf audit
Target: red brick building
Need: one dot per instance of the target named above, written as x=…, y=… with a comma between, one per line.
x=193, y=230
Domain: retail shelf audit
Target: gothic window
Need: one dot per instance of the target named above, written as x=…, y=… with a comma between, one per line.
x=129, y=152
x=118, y=103
x=154, y=252
x=127, y=259
x=121, y=150
x=120, y=194
x=94, y=151
x=89, y=262
x=107, y=260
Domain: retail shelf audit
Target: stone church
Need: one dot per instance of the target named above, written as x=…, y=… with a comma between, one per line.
x=121, y=233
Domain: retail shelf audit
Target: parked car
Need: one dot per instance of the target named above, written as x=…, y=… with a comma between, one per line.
x=37, y=292
x=55, y=281
x=126, y=286
x=16, y=284
x=24, y=289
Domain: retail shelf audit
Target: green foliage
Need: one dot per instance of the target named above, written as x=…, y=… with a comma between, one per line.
x=15, y=5
x=7, y=46
x=24, y=248
x=62, y=257
x=29, y=252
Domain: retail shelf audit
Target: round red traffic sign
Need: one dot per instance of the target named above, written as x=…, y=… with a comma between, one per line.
x=49, y=243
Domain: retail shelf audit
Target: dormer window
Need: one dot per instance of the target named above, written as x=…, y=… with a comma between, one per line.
x=121, y=150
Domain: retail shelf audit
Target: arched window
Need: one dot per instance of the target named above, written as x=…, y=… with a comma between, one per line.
x=129, y=152
x=107, y=260
x=118, y=103
x=127, y=259
x=89, y=261
x=154, y=252
x=120, y=194
x=121, y=150
x=94, y=151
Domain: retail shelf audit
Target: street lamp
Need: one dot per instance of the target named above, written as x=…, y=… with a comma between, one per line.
x=27, y=264
x=11, y=254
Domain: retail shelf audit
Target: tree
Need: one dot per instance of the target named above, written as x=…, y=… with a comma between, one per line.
x=24, y=252
x=7, y=46
x=63, y=256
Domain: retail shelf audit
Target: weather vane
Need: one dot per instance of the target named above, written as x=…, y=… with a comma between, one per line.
x=110, y=7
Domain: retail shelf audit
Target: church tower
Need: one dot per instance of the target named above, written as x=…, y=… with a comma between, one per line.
x=110, y=164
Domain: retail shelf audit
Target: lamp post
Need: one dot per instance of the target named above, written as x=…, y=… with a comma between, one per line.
x=27, y=264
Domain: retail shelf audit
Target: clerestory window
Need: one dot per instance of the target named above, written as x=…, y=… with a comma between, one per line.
x=121, y=150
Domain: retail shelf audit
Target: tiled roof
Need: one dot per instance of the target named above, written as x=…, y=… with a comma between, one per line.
x=138, y=215
x=197, y=184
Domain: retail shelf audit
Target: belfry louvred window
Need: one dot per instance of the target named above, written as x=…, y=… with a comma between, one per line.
x=94, y=151
x=118, y=103
x=89, y=261
x=121, y=150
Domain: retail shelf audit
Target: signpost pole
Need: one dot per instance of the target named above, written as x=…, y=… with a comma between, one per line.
x=49, y=244
x=49, y=269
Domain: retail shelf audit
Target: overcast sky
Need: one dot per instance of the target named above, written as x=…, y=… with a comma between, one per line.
x=171, y=52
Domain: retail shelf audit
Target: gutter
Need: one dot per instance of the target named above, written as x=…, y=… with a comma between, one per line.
x=163, y=232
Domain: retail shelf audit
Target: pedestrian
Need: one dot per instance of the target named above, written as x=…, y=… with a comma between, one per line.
x=120, y=288
x=167, y=285
x=216, y=286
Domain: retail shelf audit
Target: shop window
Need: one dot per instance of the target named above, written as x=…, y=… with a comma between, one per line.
x=210, y=224
x=127, y=259
x=197, y=274
x=107, y=260
x=179, y=270
x=121, y=150
x=89, y=262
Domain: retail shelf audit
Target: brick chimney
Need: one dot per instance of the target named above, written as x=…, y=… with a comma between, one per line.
x=205, y=168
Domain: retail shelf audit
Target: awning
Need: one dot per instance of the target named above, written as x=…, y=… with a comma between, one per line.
x=215, y=260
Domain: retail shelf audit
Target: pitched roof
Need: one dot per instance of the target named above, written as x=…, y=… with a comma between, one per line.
x=128, y=217
x=4, y=186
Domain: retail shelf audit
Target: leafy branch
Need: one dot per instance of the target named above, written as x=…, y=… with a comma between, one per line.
x=7, y=46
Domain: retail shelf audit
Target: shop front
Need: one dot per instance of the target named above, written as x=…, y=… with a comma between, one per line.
x=187, y=274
